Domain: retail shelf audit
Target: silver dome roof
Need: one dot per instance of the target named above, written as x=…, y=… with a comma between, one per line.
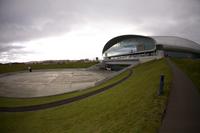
x=177, y=43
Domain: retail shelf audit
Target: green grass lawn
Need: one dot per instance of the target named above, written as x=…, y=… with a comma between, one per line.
x=131, y=107
x=5, y=68
x=192, y=68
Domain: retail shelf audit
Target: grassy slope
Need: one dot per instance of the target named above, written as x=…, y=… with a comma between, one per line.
x=4, y=68
x=13, y=102
x=191, y=68
x=132, y=106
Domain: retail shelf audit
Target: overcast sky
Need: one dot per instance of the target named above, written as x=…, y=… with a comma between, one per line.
x=78, y=29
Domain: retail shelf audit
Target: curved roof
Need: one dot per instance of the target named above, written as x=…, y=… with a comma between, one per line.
x=117, y=39
x=167, y=42
x=177, y=43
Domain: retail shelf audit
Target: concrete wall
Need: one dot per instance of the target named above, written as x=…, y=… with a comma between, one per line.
x=115, y=74
x=149, y=58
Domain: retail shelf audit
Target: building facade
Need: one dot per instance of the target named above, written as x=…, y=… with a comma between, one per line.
x=127, y=49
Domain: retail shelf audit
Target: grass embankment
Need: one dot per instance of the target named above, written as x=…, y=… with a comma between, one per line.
x=132, y=106
x=5, y=68
x=14, y=102
x=192, y=68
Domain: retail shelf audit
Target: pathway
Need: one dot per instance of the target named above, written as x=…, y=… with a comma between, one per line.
x=183, y=109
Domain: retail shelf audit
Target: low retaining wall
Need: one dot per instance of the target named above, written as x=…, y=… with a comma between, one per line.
x=141, y=60
x=115, y=74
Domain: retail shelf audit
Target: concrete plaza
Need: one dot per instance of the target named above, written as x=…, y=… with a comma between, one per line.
x=48, y=82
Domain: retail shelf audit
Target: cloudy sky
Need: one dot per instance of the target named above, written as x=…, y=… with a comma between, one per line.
x=78, y=29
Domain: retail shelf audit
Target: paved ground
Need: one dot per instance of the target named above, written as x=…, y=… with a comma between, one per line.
x=183, y=110
x=64, y=101
x=47, y=82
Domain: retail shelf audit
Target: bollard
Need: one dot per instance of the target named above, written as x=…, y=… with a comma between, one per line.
x=161, y=91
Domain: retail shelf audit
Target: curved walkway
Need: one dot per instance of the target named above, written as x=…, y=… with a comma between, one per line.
x=183, y=109
x=64, y=101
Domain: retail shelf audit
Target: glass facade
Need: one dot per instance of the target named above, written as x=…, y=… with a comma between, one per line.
x=130, y=46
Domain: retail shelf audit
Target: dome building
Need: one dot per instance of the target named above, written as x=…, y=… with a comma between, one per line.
x=128, y=49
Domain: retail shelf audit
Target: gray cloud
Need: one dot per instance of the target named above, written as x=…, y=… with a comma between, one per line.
x=24, y=20
x=27, y=19
x=5, y=48
x=9, y=52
